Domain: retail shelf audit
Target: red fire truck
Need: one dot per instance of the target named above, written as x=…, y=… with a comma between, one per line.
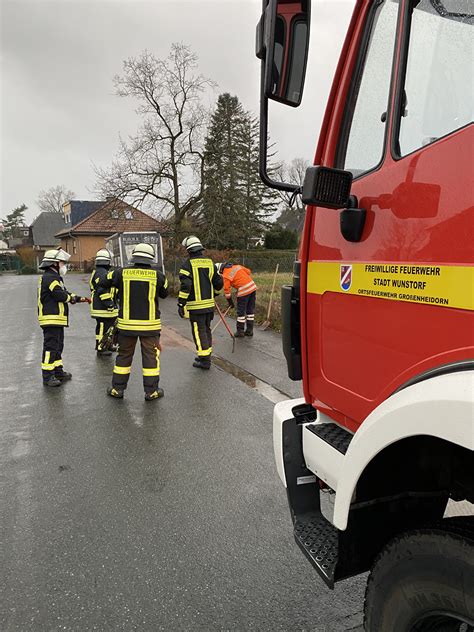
x=378, y=323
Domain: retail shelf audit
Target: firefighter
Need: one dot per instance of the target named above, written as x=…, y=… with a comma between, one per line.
x=53, y=314
x=238, y=277
x=200, y=282
x=139, y=286
x=104, y=316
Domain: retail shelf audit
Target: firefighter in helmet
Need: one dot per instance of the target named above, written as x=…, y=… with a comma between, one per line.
x=200, y=281
x=140, y=286
x=53, y=314
x=238, y=277
x=102, y=310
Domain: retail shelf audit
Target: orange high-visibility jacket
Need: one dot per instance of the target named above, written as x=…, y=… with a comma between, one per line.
x=239, y=278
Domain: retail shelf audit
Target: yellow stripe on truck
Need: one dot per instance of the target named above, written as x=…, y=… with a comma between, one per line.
x=428, y=284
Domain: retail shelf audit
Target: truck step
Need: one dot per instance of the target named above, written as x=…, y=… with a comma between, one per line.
x=318, y=539
x=334, y=435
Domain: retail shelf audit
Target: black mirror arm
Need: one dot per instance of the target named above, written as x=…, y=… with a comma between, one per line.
x=263, y=157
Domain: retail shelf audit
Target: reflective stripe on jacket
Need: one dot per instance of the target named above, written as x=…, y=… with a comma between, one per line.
x=53, y=299
x=238, y=277
x=139, y=289
x=199, y=283
x=100, y=296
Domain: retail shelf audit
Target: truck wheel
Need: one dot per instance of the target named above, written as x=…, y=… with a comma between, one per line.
x=423, y=581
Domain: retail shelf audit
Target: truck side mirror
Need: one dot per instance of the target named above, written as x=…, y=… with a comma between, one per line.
x=282, y=42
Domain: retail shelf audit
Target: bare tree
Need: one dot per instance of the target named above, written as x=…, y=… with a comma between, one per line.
x=52, y=200
x=163, y=162
x=292, y=214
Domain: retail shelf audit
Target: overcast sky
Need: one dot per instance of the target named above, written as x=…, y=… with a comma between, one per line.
x=58, y=111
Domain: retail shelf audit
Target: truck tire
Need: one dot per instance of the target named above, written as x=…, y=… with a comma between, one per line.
x=423, y=581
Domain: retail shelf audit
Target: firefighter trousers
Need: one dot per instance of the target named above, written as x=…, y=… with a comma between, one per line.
x=102, y=326
x=246, y=312
x=201, y=328
x=150, y=347
x=53, y=345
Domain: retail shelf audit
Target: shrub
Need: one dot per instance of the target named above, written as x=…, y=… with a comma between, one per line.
x=279, y=238
x=27, y=270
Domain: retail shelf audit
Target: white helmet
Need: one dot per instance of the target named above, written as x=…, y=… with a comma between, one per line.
x=143, y=253
x=103, y=257
x=57, y=255
x=192, y=244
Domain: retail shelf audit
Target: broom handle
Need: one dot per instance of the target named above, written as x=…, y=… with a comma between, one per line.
x=273, y=289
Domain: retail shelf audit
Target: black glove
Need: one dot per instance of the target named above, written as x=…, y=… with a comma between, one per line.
x=74, y=299
x=180, y=310
x=230, y=302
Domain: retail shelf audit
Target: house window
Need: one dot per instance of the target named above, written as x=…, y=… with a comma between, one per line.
x=128, y=213
x=114, y=214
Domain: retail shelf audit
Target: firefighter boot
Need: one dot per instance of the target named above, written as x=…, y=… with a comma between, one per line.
x=52, y=381
x=156, y=394
x=202, y=363
x=63, y=376
x=115, y=392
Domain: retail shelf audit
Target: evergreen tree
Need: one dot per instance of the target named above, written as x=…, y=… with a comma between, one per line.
x=13, y=222
x=259, y=202
x=221, y=195
x=235, y=201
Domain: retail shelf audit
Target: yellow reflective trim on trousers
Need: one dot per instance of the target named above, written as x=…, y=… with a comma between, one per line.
x=48, y=367
x=101, y=330
x=205, y=352
x=151, y=372
x=47, y=357
x=58, y=363
x=122, y=370
x=196, y=336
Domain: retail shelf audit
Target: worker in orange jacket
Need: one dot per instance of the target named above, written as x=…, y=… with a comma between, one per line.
x=238, y=277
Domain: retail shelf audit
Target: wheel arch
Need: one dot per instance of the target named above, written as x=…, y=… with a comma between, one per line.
x=440, y=409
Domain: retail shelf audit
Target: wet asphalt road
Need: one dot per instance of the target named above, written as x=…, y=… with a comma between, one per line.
x=133, y=515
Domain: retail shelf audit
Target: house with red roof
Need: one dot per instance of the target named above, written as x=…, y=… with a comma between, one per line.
x=86, y=237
